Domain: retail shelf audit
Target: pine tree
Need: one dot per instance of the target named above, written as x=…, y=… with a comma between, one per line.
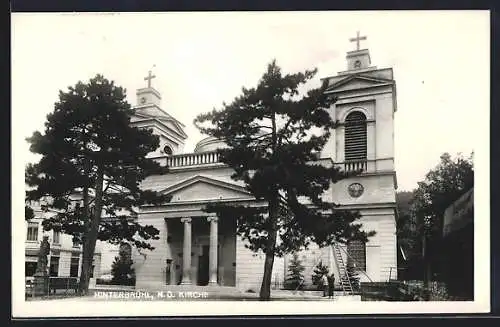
x=295, y=277
x=319, y=271
x=91, y=153
x=121, y=269
x=275, y=137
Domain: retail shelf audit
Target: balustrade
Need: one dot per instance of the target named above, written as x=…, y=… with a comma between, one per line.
x=192, y=159
x=355, y=165
x=205, y=158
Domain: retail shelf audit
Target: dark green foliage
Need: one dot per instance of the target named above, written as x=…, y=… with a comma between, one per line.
x=319, y=271
x=121, y=269
x=92, y=156
x=295, y=277
x=275, y=136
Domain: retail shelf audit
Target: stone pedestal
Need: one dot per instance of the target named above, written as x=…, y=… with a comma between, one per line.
x=40, y=284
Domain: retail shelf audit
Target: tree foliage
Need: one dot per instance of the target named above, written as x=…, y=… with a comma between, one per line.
x=275, y=136
x=421, y=211
x=319, y=271
x=442, y=185
x=408, y=239
x=92, y=164
x=295, y=277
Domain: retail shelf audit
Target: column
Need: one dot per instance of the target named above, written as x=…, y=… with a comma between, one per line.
x=212, y=260
x=186, y=252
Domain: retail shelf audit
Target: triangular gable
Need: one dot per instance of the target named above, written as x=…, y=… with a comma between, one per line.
x=355, y=82
x=201, y=188
x=174, y=125
x=168, y=122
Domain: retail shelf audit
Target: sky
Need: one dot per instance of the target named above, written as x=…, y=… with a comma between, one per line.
x=440, y=61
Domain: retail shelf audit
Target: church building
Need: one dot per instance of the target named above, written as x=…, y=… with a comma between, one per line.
x=197, y=248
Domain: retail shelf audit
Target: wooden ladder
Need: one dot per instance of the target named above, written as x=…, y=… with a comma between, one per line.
x=344, y=277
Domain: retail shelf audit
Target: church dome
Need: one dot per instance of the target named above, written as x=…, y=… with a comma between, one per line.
x=209, y=144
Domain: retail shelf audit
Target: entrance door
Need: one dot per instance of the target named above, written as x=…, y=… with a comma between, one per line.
x=203, y=266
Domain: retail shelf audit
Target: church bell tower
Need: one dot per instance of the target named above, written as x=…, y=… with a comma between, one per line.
x=148, y=95
x=149, y=114
x=364, y=141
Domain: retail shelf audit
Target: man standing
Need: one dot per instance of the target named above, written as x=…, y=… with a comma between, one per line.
x=324, y=282
x=331, y=285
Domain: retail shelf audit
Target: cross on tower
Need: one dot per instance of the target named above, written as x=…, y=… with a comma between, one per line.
x=149, y=78
x=357, y=39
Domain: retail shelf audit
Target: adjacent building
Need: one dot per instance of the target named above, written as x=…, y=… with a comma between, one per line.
x=65, y=255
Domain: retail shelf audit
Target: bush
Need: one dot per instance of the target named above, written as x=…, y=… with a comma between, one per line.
x=319, y=271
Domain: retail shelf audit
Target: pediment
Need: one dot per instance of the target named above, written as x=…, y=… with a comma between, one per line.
x=356, y=82
x=206, y=188
x=162, y=119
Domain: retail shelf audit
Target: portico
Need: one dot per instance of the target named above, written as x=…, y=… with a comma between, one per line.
x=213, y=251
x=200, y=250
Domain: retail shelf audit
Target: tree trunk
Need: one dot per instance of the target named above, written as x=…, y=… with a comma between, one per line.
x=91, y=238
x=265, y=289
x=426, y=265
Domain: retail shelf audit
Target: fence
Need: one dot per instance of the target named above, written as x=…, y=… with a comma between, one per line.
x=277, y=283
x=50, y=286
x=404, y=291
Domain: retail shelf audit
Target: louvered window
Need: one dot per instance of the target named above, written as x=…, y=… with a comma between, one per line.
x=357, y=255
x=355, y=136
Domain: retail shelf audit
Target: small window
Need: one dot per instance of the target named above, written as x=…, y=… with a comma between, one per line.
x=75, y=263
x=76, y=244
x=167, y=150
x=56, y=237
x=54, y=266
x=32, y=232
x=29, y=268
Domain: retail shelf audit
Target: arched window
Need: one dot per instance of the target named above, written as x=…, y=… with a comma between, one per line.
x=168, y=150
x=355, y=136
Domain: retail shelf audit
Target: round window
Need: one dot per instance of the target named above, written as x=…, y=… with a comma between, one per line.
x=167, y=150
x=355, y=190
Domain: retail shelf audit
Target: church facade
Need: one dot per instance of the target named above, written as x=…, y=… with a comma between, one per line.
x=197, y=248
